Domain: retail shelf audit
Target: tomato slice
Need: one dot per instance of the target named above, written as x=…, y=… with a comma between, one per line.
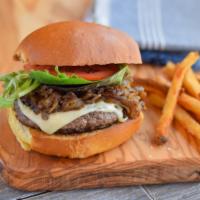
x=92, y=73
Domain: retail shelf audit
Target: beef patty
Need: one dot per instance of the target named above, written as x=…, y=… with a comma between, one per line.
x=89, y=122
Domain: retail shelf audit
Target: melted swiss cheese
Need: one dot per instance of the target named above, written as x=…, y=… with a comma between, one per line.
x=60, y=119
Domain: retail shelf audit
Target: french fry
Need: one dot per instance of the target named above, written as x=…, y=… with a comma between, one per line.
x=156, y=100
x=187, y=136
x=197, y=117
x=156, y=90
x=151, y=85
x=172, y=96
x=190, y=82
x=189, y=103
x=169, y=69
x=192, y=126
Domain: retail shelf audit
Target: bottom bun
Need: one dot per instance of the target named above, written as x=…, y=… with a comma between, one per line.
x=73, y=146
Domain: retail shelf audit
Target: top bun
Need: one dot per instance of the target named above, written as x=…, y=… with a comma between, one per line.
x=77, y=43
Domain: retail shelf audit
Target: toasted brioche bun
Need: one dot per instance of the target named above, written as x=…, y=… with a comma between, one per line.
x=76, y=146
x=77, y=43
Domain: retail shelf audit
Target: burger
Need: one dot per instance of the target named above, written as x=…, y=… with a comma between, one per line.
x=73, y=97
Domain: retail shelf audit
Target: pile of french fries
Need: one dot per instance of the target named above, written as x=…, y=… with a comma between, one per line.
x=180, y=101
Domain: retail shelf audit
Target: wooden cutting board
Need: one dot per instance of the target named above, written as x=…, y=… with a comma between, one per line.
x=135, y=162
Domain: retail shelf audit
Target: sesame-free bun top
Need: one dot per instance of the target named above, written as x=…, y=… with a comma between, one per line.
x=76, y=43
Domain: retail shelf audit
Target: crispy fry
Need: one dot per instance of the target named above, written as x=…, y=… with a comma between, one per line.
x=169, y=69
x=190, y=82
x=189, y=103
x=187, y=136
x=197, y=117
x=156, y=100
x=192, y=126
x=151, y=85
x=171, y=98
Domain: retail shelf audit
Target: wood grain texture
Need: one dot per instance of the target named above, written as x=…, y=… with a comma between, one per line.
x=135, y=162
x=7, y=193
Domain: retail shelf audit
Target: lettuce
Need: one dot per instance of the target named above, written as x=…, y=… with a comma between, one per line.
x=18, y=84
x=115, y=79
x=45, y=77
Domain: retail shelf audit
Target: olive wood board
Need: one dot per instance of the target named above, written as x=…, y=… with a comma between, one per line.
x=135, y=162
